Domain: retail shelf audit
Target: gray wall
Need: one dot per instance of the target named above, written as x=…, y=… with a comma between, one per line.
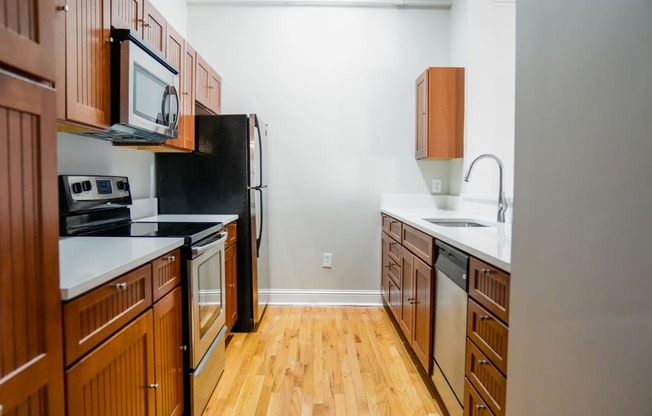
x=581, y=320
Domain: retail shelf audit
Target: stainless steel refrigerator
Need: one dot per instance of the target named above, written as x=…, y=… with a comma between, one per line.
x=226, y=174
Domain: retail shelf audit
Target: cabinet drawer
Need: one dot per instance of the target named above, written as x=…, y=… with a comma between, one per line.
x=394, y=272
x=487, y=380
x=394, y=250
x=473, y=403
x=421, y=244
x=92, y=317
x=232, y=229
x=392, y=227
x=490, y=288
x=394, y=299
x=488, y=334
x=166, y=274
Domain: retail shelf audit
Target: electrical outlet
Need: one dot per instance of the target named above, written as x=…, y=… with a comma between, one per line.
x=327, y=261
x=436, y=186
x=475, y=208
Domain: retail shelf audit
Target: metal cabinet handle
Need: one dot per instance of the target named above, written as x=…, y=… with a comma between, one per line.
x=483, y=362
x=121, y=286
x=410, y=299
x=211, y=87
x=485, y=318
x=480, y=406
x=145, y=24
x=171, y=258
x=185, y=93
x=183, y=348
x=109, y=40
x=153, y=386
x=64, y=8
x=414, y=302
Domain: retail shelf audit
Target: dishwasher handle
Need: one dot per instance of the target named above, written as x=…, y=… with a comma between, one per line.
x=453, y=263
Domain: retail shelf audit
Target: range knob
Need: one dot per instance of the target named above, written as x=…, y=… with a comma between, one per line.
x=126, y=186
x=87, y=186
x=76, y=187
x=122, y=185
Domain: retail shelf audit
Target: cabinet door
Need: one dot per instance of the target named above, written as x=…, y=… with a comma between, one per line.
x=394, y=295
x=127, y=14
x=168, y=351
x=422, y=116
x=215, y=92
x=407, y=301
x=384, y=266
x=424, y=288
x=154, y=27
x=31, y=357
x=187, y=116
x=166, y=274
x=490, y=288
x=177, y=55
x=87, y=62
x=231, y=280
x=117, y=378
x=203, y=75
x=26, y=29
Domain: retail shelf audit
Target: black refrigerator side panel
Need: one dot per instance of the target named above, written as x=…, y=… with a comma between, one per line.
x=213, y=180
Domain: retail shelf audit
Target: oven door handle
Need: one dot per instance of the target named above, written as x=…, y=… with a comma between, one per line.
x=221, y=238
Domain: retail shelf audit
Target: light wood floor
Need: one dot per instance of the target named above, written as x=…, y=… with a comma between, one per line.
x=320, y=361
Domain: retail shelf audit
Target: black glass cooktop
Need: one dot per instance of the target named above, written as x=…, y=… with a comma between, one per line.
x=191, y=231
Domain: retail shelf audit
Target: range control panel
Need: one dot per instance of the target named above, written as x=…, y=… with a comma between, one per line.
x=94, y=188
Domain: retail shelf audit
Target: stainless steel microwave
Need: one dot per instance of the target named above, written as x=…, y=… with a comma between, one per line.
x=144, y=93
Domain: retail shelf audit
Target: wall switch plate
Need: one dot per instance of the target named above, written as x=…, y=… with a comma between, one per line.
x=436, y=186
x=327, y=261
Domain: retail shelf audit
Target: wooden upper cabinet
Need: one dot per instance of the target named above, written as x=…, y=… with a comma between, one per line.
x=87, y=63
x=154, y=27
x=127, y=14
x=26, y=30
x=215, y=92
x=31, y=346
x=178, y=56
x=440, y=114
x=202, y=84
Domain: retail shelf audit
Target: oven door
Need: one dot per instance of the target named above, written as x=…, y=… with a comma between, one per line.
x=207, y=295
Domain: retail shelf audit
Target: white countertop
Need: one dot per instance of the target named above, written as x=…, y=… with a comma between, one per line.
x=225, y=219
x=492, y=244
x=87, y=262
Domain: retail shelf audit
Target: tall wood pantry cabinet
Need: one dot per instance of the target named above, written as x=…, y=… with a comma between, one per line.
x=440, y=114
x=31, y=358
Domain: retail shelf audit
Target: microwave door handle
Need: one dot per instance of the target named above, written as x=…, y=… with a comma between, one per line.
x=173, y=93
x=165, y=106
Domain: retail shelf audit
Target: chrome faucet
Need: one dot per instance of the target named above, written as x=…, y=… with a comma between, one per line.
x=502, y=201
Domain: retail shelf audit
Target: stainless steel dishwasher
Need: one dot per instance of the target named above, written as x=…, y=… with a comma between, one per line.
x=451, y=282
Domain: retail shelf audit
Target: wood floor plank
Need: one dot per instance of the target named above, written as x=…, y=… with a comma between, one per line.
x=320, y=361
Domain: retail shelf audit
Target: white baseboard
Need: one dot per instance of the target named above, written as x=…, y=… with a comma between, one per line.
x=324, y=297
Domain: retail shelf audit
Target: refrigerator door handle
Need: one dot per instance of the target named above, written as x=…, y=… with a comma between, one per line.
x=259, y=236
x=260, y=151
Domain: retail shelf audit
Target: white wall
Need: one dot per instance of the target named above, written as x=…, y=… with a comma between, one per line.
x=175, y=12
x=581, y=319
x=336, y=86
x=482, y=41
x=78, y=155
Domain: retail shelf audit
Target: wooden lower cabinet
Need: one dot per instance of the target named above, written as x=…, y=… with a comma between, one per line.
x=168, y=353
x=231, y=276
x=408, y=286
x=166, y=274
x=118, y=377
x=473, y=403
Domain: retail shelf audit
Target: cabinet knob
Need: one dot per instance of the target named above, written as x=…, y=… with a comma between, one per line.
x=121, y=286
x=153, y=386
x=211, y=87
x=483, y=362
x=485, y=318
x=109, y=40
x=414, y=302
x=185, y=93
x=480, y=406
x=171, y=258
x=64, y=8
x=183, y=348
x=146, y=25
x=387, y=266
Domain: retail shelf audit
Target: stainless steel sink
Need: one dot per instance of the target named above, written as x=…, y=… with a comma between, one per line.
x=454, y=222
